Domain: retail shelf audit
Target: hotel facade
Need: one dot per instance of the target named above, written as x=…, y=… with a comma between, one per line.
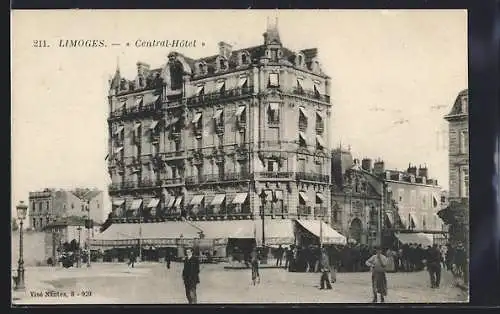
x=231, y=144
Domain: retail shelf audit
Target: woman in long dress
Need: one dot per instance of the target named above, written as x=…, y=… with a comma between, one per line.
x=378, y=264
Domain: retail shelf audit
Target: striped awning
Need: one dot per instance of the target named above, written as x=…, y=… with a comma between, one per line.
x=240, y=198
x=178, y=201
x=153, y=203
x=304, y=197
x=321, y=197
x=171, y=202
x=218, y=199
x=197, y=199
x=136, y=204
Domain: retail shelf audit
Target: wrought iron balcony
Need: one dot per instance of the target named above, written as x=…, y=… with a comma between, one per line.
x=275, y=175
x=172, y=181
x=306, y=176
x=143, y=183
x=216, y=178
x=311, y=94
x=168, y=156
x=303, y=210
x=229, y=94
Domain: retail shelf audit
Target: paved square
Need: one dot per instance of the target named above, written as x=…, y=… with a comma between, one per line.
x=154, y=283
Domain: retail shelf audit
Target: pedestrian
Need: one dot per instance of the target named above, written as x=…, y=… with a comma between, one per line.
x=255, y=266
x=287, y=257
x=279, y=256
x=390, y=259
x=325, y=270
x=168, y=258
x=131, y=260
x=434, y=266
x=378, y=263
x=191, y=275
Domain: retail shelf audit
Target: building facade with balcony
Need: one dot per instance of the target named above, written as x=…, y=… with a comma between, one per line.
x=49, y=205
x=241, y=135
x=456, y=214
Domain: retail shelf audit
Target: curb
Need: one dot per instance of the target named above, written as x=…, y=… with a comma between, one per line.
x=260, y=267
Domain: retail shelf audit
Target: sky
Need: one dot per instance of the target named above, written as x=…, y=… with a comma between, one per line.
x=395, y=74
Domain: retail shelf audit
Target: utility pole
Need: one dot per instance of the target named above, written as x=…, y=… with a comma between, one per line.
x=140, y=235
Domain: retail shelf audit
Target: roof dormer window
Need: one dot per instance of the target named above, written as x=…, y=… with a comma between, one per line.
x=464, y=102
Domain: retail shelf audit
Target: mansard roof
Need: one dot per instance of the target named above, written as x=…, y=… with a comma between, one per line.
x=457, y=106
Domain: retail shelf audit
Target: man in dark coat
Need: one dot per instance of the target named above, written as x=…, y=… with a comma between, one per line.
x=434, y=265
x=190, y=275
x=168, y=258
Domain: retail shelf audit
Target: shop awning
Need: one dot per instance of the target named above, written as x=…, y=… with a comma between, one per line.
x=242, y=81
x=220, y=85
x=138, y=101
x=320, y=115
x=404, y=219
x=218, y=199
x=218, y=114
x=321, y=197
x=197, y=117
x=419, y=238
x=389, y=217
x=153, y=99
x=320, y=141
x=118, y=202
x=148, y=231
x=278, y=194
x=178, y=201
x=240, y=110
x=240, y=198
x=199, y=90
x=197, y=199
x=230, y=229
x=172, y=122
x=323, y=231
x=276, y=232
x=303, y=111
x=119, y=130
x=153, y=125
x=136, y=204
x=304, y=197
x=171, y=202
x=118, y=149
x=153, y=203
x=136, y=126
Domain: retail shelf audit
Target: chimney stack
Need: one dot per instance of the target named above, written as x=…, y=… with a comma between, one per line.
x=379, y=167
x=225, y=49
x=412, y=170
x=366, y=164
x=142, y=69
x=423, y=172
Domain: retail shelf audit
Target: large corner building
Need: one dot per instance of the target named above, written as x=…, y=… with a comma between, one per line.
x=235, y=145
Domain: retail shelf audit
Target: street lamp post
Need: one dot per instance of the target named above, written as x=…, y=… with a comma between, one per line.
x=21, y=215
x=89, y=226
x=263, y=201
x=78, y=257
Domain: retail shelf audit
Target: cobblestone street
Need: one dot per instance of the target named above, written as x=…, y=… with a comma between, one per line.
x=154, y=283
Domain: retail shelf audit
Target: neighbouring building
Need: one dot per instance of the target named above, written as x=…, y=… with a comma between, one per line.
x=357, y=198
x=224, y=141
x=456, y=215
x=66, y=230
x=48, y=205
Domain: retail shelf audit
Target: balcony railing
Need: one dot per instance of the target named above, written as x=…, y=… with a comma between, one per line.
x=146, y=183
x=115, y=186
x=320, y=211
x=303, y=210
x=173, y=181
x=174, y=155
x=213, y=178
x=311, y=94
x=306, y=176
x=275, y=175
x=149, y=108
x=274, y=209
x=218, y=96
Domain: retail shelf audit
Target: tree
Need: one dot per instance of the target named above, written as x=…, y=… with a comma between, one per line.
x=14, y=225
